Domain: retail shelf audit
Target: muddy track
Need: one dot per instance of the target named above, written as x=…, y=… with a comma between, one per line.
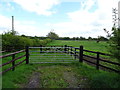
x=34, y=81
x=70, y=78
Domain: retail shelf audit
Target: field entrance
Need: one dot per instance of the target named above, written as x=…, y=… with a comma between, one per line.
x=50, y=55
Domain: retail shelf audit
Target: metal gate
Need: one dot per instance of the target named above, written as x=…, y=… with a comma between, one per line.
x=50, y=55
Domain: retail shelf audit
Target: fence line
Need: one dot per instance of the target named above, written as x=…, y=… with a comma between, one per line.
x=78, y=53
x=82, y=56
x=12, y=61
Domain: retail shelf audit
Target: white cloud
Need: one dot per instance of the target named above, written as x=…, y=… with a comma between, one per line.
x=5, y=23
x=82, y=22
x=86, y=23
x=22, y=27
x=41, y=7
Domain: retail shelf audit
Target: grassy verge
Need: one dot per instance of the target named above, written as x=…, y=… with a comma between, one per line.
x=12, y=79
x=20, y=74
x=98, y=78
x=52, y=76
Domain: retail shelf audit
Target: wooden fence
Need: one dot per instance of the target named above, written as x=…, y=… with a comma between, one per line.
x=13, y=61
x=78, y=53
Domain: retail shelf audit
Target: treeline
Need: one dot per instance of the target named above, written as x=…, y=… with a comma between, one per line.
x=52, y=35
x=12, y=42
x=100, y=38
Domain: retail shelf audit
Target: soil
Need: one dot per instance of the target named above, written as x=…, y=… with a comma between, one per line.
x=34, y=81
x=74, y=81
x=69, y=77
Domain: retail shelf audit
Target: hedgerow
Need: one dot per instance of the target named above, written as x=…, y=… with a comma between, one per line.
x=13, y=42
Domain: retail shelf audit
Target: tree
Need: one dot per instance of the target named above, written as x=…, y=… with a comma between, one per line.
x=12, y=32
x=114, y=39
x=89, y=38
x=115, y=43
x=101, y=38
x=82, y=38
x=52, y=35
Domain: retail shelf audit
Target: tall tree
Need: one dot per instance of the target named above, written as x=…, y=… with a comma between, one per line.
x=114, y=38
x=52, y=35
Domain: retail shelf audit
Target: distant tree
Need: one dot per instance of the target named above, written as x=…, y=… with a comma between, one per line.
x=23, y=35
x=101, y=38
x=66, y=38
x=89, y=38
x=82, y=38
x=94, y=39
x=42, y=38
x=52, y=35
x=12, y=32
x=77, y=38
x=74, y=38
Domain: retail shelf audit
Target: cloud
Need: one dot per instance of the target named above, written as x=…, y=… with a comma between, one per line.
x=85, y=23
x=5, y=23
x=22, y=27
x=82, y=22
x=41, y=7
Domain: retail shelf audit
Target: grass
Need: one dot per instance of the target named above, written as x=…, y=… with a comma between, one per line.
x=12, y=79
x=102, y=46
x=4, y=60
x=58, y=57
x=98, y=79
x=89, y=45
x=52, y=75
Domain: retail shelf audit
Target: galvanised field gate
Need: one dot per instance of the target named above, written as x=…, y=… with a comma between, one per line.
x=52, y=54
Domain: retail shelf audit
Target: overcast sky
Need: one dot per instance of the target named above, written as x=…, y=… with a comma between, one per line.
x=68, y=18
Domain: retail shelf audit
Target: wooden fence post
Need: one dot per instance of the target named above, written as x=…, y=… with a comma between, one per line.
x=97, y=63
x=61, y=49
x=75, y=53
x=68, y=49
x=13, y=63
x=51, y=49
x=27, y=55
x=54, y=48
x=40, y=48
x=71, y=50
x=81, y=54
x=65, y=49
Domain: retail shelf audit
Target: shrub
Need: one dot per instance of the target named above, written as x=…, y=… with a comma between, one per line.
x=12, y=42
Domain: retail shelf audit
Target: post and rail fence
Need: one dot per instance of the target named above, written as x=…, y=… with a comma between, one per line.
x=12, y=61
x=78, y=53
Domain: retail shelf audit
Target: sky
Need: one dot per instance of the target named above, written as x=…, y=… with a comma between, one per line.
x=67, y=18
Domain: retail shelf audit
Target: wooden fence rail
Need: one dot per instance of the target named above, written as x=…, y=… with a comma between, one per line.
x=7, y=55
x=78, y=53
x=12, y=61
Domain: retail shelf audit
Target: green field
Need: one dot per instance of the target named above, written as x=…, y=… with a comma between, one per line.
x=89, y=45
x=64, y=75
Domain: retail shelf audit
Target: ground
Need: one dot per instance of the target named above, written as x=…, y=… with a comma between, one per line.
x=78, y=75
x=55, y=77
